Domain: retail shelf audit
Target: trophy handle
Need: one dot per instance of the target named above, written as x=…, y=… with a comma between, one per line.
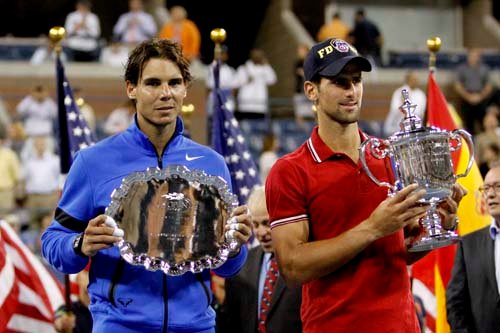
x=378, y=153
x=455, y=135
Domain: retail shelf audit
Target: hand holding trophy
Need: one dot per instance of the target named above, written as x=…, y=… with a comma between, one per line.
x=421, y=155
x=177, y=220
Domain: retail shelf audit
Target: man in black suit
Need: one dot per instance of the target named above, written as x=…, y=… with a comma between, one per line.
x=472, y=296
x=244, y=292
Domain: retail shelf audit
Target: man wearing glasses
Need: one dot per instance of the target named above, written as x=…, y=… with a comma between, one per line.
x=473, y=294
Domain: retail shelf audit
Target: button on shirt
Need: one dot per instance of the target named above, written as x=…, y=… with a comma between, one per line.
x=495, y=234
x=266, y=261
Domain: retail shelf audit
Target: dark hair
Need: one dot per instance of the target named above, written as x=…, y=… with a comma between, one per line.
x=156, y=48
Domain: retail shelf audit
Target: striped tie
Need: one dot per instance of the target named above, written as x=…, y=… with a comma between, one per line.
x=267, y=293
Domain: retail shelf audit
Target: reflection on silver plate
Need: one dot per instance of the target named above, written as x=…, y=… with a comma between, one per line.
x=173, y=219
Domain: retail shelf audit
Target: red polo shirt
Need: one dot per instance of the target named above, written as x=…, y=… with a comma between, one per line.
x=371, y=293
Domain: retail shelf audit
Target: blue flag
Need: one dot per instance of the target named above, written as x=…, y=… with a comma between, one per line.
x=74, y=133
x=228, y=141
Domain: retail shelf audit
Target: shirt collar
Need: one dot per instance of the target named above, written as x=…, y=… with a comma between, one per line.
x=494, y=230
x=320, y=152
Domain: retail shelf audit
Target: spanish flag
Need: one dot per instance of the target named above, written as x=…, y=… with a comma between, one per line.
x=432, y=274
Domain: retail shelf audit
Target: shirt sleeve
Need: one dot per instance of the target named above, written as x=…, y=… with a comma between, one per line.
x=285, y=194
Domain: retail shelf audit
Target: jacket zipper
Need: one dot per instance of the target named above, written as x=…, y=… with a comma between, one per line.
x=165, y=290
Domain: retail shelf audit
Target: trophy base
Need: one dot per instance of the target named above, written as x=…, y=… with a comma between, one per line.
x=428, y=243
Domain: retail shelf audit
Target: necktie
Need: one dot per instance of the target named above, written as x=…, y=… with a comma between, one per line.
x=267, y=293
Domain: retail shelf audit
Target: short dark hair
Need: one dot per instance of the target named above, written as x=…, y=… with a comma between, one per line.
x=156, y=48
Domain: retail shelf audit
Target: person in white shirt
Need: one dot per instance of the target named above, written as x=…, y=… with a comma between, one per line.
x=46, y=54
x=416, y=95
x=227, y=82
x=83, y=31
x=38, y=112
x=41, y=172
x=254, y=77
x=136, y=25
x=120, y=118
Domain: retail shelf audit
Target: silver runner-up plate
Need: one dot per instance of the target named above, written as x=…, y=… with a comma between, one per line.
x=173, y=219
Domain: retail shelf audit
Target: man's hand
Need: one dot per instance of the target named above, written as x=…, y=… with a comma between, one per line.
x=239, y=226
x=397, y=212
x=98, y=236
x=448, y=208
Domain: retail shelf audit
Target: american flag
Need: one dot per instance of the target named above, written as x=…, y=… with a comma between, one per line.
x=29, y=293
x=228, y=141
x=74, y=133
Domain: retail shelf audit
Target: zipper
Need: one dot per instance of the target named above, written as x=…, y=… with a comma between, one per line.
x=165, y=301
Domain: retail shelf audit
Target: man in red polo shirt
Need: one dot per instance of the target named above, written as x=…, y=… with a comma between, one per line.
x=334, y=230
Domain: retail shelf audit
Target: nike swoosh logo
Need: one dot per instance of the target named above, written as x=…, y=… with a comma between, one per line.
x=192, y=158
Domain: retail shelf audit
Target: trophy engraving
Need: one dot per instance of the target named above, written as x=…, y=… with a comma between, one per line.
x=421, y=155
x=173, y=219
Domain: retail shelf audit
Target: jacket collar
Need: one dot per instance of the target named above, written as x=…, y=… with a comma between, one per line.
x=142, y=139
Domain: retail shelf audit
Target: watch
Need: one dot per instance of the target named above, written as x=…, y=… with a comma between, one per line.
x=77, y=245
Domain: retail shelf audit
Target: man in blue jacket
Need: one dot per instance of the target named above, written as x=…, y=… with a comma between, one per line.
x=126, y=298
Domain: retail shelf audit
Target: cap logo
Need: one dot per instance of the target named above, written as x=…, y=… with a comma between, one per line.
x=340, y=45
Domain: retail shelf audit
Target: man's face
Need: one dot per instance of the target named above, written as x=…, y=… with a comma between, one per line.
x=262, y=229
x=159, y=93
x=492, y=192
x=339, y=97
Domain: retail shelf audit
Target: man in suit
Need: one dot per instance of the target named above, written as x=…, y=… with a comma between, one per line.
x=246, y=308
x=472, y=296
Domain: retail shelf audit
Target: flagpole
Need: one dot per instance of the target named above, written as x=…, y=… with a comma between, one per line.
x=218, y=36
x=56, y=35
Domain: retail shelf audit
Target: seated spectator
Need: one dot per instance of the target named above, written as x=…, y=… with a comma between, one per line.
x=134, y=26
x=184, y=31
x=38, y=112
x=114, y=55
x=474, y=87
x=254, y=77
x=227, y=82
x=490, y=135
x=120, y=118
x=46, y=54
x=10, y=174
x=41, y=172
x=417, y=97
x=83, y=31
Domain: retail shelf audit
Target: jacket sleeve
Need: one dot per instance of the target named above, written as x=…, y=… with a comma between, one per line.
x=233, y=265
x=75, y=209
x=458, y=309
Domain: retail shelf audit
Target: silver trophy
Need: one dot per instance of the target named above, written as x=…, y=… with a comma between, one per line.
x=173, y=219
x=421, y=155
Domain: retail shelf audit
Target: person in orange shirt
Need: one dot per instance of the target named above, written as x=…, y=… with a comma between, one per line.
x=336, y=28
x=183, y=31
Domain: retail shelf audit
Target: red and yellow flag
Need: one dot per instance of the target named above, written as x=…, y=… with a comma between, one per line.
x=432, y=273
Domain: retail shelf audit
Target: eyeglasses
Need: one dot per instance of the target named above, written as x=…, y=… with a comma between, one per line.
x=484, y=190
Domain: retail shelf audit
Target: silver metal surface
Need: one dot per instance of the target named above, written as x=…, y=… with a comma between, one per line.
x=421, y=155
x=173, y=219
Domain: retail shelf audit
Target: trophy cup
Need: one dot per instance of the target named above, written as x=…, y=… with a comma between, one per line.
x=173, y=219
x=421, y=155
